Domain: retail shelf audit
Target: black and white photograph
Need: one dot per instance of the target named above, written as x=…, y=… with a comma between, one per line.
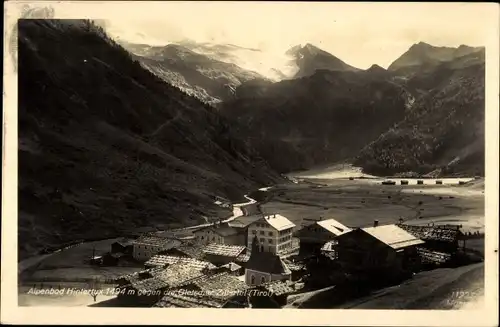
x=252, y=155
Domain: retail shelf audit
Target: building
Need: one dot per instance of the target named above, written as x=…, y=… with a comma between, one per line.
x=275, y=235
x=265, y=266
x=147, y=246
x=221, y=254
x=314, y=234
x=219, y=233
x=375, y=252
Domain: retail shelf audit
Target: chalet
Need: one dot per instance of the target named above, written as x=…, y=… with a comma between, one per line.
x=379, y=251
x=219, y=233
x=265, y=266
x=275, y=234
x=221, y=254
x=315, y=234
x=146, y=246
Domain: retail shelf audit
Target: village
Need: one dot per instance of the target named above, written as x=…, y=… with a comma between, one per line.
x=273, y=252
x=262, y=259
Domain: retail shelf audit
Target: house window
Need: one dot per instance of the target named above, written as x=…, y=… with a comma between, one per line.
x=261, y=232
x=254, y=232
x=262, y=240
x=202, y=238
x=262, y=248
x=262, y=280
x=213, y=238
x=270, y=241
x=270, y=233
x=252, y=280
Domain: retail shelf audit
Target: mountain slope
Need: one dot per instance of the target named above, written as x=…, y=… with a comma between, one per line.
x=310, y=58
x=208, y=79
x=423, y=56
x=444, y=129
x=106, y=147
x=323, y=118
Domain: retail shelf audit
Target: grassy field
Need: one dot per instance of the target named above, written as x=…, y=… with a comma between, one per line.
x=357, y=203
x=437, y=289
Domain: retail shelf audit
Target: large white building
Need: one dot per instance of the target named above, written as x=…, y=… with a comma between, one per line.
x=274, y=233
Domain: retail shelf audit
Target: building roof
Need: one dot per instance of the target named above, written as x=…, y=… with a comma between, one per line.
x=212, y=292
x=278, y=287
x=333, y=226
x=434, y=233
x=188, y=249
x=294, y=266
x=224, y=249
x=123, y=242
x=220, y=229
x=161, y=260
x=244, y=221
x=173, y=276
x=393, y=236
x=278, y=222
x=267, y=262
x=221, y=285
x=152, y=240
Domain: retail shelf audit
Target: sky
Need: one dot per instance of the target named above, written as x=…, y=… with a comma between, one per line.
x=361, y=34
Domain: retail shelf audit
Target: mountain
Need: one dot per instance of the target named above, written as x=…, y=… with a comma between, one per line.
x=444, y=130
x=106, y=147
x=275, y=66
x=310, y=58
x=322, y=118
x=210, y=80
x=423, y=56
